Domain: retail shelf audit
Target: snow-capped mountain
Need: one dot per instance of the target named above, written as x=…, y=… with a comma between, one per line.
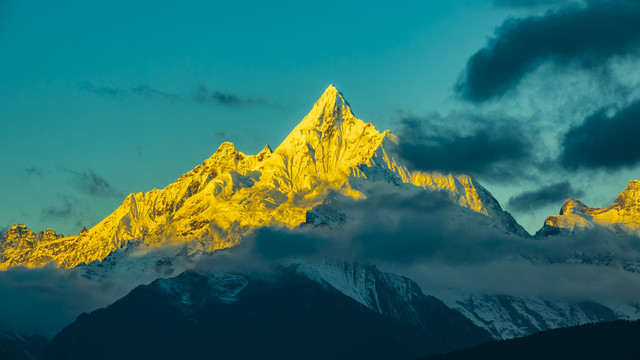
x=623, y=216
x=509, y=316
x=299, y=311
x=230, y=194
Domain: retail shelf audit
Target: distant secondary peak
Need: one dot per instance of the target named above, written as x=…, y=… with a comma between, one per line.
x=266, y=149
x=19, y=229
x=227, y=150
x=227, y=146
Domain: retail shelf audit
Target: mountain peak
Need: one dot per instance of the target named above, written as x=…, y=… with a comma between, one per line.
x=265, y=153
x=330, y=111
x=227, y=147
x=571, y=206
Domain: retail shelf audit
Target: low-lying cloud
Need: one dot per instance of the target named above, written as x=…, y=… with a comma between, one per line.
x=425, y=236
x=402, y=229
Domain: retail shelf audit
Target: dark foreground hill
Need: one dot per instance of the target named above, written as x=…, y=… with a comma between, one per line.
x=283, y=316
x=608, y=340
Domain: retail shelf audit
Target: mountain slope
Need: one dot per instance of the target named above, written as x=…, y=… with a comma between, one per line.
x=217, y=203
x=284, y=315
x=509, y=316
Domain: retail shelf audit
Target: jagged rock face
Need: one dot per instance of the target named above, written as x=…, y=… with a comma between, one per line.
x=217, y=203
x=623, y=215
x=18, y=241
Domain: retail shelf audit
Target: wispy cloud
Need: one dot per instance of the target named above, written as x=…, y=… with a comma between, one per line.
x=63, y=211
x=150, y=93
x=34, y=170
x=93, y=184
x=103, y=90
x=221, y=135
x=202, y=94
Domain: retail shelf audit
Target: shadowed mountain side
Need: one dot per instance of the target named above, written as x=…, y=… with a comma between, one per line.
x=285, y=316
x=21, y=347
x=611, y=340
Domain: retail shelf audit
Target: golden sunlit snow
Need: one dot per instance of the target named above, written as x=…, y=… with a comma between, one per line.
x=217, y=203
x=623, y=215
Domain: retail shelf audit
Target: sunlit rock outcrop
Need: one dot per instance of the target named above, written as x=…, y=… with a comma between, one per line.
x=623, y=216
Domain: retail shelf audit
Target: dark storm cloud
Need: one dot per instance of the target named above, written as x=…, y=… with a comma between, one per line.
x=93, y=184
x=604, y=141
x=102, y=90
x=203, y=95
x=489, y=149
x=554, y=194
x=150, y=93
x=584, y=37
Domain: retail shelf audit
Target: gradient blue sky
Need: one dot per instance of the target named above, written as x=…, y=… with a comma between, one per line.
x=98, y=99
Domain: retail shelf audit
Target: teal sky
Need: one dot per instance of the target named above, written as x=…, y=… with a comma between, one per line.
x=102, y=99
